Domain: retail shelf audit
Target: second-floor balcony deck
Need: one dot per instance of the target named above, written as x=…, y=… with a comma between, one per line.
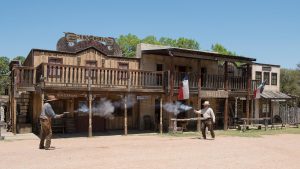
x=69, y=77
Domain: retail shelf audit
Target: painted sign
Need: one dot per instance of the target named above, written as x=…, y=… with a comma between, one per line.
x=214, y=94
x=72, y=42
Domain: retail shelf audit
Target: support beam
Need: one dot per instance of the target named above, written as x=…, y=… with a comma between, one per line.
x=90, y=115
x=248, y=92
x=171, y=86
x=226, y=114
x=14, y=115
x=226, y=99
x=160, y=116
x=125, y=116
x=199, y=97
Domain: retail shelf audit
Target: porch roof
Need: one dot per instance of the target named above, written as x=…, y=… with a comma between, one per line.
x=274, y=95
x=197, y=54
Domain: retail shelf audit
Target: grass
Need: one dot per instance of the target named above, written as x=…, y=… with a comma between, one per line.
x=238, y=133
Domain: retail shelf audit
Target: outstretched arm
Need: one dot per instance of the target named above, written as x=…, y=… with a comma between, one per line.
x=197, y=112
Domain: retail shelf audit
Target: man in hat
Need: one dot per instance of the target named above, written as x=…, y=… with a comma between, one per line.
x=208, y=119
x=45, y=119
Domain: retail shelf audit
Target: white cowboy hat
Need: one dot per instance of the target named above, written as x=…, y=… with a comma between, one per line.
x=50, y=98
x=206, y=103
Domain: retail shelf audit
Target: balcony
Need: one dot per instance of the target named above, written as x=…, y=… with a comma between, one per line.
x=68, y=77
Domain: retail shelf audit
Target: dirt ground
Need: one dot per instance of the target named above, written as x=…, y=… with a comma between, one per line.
x=154, y=152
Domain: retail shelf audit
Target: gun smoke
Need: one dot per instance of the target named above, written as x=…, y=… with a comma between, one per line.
x=105, y=108
x=176, y=107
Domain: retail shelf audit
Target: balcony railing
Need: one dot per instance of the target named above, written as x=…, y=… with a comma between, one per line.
x=81, y=76
x=54, y=75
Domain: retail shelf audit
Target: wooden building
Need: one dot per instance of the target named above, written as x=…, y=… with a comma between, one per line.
x=88, y=68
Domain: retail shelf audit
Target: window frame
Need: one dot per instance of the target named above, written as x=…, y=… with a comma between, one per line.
x=57, y=73
x=256, y=73
x=274, y=80
x=268, y=80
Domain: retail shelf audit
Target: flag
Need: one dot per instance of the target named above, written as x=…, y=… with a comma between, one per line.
x=259, y=90
x=183, y=92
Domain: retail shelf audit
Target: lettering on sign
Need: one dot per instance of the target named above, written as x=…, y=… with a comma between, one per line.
x=66, y=95
x=214, y=94
x=72, y=42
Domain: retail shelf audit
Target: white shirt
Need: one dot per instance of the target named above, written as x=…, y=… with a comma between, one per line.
x=207, y=113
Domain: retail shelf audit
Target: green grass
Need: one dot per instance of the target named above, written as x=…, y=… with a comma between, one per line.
x=238, y=133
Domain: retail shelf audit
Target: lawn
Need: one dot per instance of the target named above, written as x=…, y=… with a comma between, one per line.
x=238, y=133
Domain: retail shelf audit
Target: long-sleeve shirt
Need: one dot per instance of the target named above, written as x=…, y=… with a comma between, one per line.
x=207, y=113
x=47, y=112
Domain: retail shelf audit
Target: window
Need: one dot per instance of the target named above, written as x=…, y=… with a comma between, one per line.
x=265, y=108
x=123, y=74
x=274, y=79
x=54, y=68
x=90, y=64
x=267, y=77
x=258, y=76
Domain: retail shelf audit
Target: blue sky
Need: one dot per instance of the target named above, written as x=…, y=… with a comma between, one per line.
x=268, y=30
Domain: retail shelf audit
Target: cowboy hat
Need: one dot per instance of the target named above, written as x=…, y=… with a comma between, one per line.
x=206, y=103
x=50, y=98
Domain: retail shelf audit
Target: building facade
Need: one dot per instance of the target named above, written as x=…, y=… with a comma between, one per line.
x=84, y=70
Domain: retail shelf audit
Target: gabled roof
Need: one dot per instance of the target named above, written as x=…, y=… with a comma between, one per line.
x=75, y=53
x=190, y=53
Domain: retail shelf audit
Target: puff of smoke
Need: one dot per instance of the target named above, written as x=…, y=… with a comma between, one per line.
x=129, y=100
x=176, y=107
x=105, y=108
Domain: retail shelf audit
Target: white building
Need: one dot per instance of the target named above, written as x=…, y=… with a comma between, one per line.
x=269, y=103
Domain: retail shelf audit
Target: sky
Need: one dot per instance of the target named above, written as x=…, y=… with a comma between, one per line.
x=268, y=30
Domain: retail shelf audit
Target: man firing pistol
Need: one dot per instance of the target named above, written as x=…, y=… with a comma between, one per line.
x=208, y=119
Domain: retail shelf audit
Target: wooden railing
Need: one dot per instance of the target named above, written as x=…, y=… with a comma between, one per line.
x=80, y=76
x=213, y=82
x=24, y=76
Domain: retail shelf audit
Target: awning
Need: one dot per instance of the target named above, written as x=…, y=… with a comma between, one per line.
x=274, y=95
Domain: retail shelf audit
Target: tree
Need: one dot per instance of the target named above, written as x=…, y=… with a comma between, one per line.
x=4, y=70
x=187, y=43
x=151, y=40
x=289, y=81
x=221, y=49
x=167, y=41
x=20, y=58
x=128, y=44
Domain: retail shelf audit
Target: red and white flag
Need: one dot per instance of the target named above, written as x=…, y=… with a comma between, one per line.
x=183, y=92
x=259, y=90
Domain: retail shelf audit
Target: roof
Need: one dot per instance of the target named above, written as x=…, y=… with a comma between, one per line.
x=274, y=95
x=74, y=53
x=265, y=64
x=197, y=54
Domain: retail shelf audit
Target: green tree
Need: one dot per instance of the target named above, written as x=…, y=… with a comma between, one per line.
x=151, y=40
x=167, y=41
x=289, y=81
x=128, y=44
x=4, y=70
x=20, y=58
x=187, y=43
x=221, y=49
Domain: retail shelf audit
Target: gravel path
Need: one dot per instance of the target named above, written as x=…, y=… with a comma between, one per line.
x=154, y=152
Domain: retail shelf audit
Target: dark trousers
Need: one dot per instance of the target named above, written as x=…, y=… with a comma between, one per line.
x=209, y=124
x=45, y=133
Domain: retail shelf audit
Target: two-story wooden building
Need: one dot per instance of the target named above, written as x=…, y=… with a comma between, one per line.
x=84, y=66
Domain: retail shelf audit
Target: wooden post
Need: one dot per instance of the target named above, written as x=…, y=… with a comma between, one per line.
x=125, y=116
x=226, y=99
x=199, y=96
x=248, y=92
x=90, y=115
x=171, y=86
x=160, y=116
x=235, y=110
x=90, y=97
x=14, y=115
